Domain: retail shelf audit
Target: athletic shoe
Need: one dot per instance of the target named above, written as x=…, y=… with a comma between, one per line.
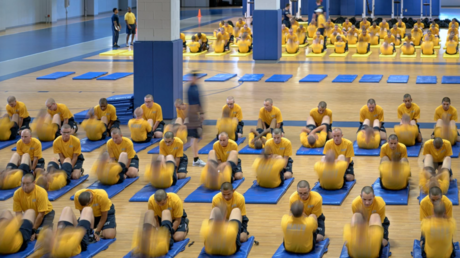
x=199, y=163
x=186, y=224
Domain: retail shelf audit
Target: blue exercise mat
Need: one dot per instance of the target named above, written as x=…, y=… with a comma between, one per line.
x=7, y=194
x=121, y=97
x=142, y=146
x=203, y=195
x=208, y=147
x=279, y=78
x=318, y=252
x=313, y=78
x=392, y=197
x=414, y=151
x=89, y=146
x=4, y=144
x=242, y=253
x=365, y=152
x=261, y=195
x=452, y=193
x=111, y=190
x=455, y=150
x=427, y=80
x=80, y=116
x=89, y=76
x=417, y=250
x=251, y=78
x=54, y=76
x=398, y=79
x=450, y=80
x=371, y=78
x=221, y=77
x=144, y=194
x=334, y=197
x=95, y=248
x=385, y=252
x=249, y=150
x=345, y=78
x=29, y=251
x=309, y=151
x=45, y=145
x=187, y=77
x=156, y=150
x=114, y=76
x=54, y=195
x=175, y=249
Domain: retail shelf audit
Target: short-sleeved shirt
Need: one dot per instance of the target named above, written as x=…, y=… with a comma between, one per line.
x=237, y=201
x=34, y=148
x=220, y=238
x=394, y=175
x=222, y=153
x=322, y=137
x=69, y=148
x=298, y=233
x=100, y=201
x=155, y=113
x=377, y=206
x=407, y=134
x=312, y=205
x=235, y=111
x=62, y=111
x=268, y=171
x=426, y=207
x=163, y=178
x=173, y=204
x=373, y=143
x=139, y=129
x=130, y=18
x=10, y=235
x=94, y=129
x=108, y=173
x=344, y=148
x=193, y=95
x=447, y=133
x=413, y=112
x=216, y=183
x=176, y=148
x=19, y=109
x=438, y=155
x=319, y=117
x=284, y=148
x=227, y=125
x=451, y=113
x=115, y=150
x=400, y=150
x=331, y=175
x=36, y=200
x=267, y=117
x=360, y=245
x=116, y=20
x=5, y=128
x=110, y=112
x=365, y=114
x=439, y=233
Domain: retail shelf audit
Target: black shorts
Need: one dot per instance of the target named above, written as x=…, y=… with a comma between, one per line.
x=85, y=241
x=386, y=226
x=14, y=131
x=169, y=226
x=281, y=127
x=26, y=232
x=134, y=162
x=148, y=139
x=67, y=167
x=41, y=163
x=382, y=127
x=236, y=168
x=160, y=127
x=122, y=173
x=350, y=169
x=239, y=128
x=25, y=168
x=288, y=167
x=311, y=127
x=238, y=242
x=58, y=131
x=174, y=174
x=72, y=123
x=184, y=44
x=193, y=133
x=183, y=164
x=110, y=222
x=26, y=123
x=115, y=124
x=321, y=230
x=422, y=248
x=244, y=225
x=79, y=163
x=182, y=226
x=47, y=220
x=132, y=30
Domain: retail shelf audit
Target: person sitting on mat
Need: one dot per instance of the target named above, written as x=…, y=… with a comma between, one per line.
x=340, y=45
x=364, y=24
x=407, y=132
x=54, y=177
x=284, y=33
x=427, y=46
x=33, y=147
x=409, y=39
x=372, y=111
x=9, y=127
x=374, y=28
x=119, y=144
x=321, y=38
x=368, y=204
x=229, y=29
x=434, y=38
x=152, y=111
x=363, y=47
x=95, y=129
x=447, y=129
x=346, y=25
x=341, y=146
x=394, y=172
x=401, y=26
x=64, y=113
x=301, y=35
x=219, y=44
x=214, y=174
x=315, y=136
x=319, y=112
x=429, y=178
x=364, y=236
x=393, y=147
x=383, y=33
x=317, y=47
x=174, y=146
x=194, y=46
x=336, y=29
x=451, y=46
x=332, y=173
x=454, y=21
x=244, y=45
x=228, y=124
x=240, y=23
x=312, y=204
x=409, y=108
x=11, y=176
x=390, y=38
x=15, y=231
x=395, y=31
x=269, y=169
x=68, y=146
x=369, y=136
x=384, y=24
x=203, y=40
x=434, y=30
x=420, y=24
x=408, y=49
x=161, y=172
x=269, y=112
x=333, y=38
x=109, y=112
x=438, y=149
x=223, y=148
x=105, y=225
x=181, y=110
x=245, y=29
x=141, y=129
x=311, y=29
x=452, y=28
x=46, y=128
x=111, y=172
x=235, y=111
x=258, y=137
x=434, y=196
x=17, y=107
x=445, y=109
x=294, y=24
x=352, y=36
x=398, y=40
x=282, y=147
x=299, y=241
x=417, y=35
x=375, y=40
x=292, y=47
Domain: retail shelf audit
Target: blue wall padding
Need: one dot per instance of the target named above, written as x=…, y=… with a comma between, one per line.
x=267, y=35
x=245, y=2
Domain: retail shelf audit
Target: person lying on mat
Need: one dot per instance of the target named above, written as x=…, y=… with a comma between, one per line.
x=22, y=201
x=11, y=176
x=408, y=132
x=244, y=45
x=445, y=109
x=228, y=124
x=161, y=201
x=71, y=237
x=319, y=113
x=68, y=146
x=269, y=169
x=311, y=29
x=235, y=111
x=105, y=225
x=435, y=196
x=111, y=172
x=363, y=47
x=181, y=110
x=312, y=205
x=438, y=149
x=394, y=148
x=9, y=127
x=95, y=129
x=302, y=35
x=320, y=38
x=317, y=47
x=427, y=46
x=64, y=113
x=213, y=174
x=228, y=200
x=54, y=177
x=315, y=136
x=152, y=111
x=417, y=34
x=375, y=40
x=119, y=144
x=447, y=130
x=340, y=45
x=269, y=112
x=341, y=146
x=364, y=237
x=258, y=137
x=292, y=46
x=153, y=239
x=31, y=146
x=222, y=237
x=451, y=46
x=372, y=111
x=46, y=128
x=223, y=148
x=332, y=173
x=109, y=112
x=15, y=231
x=408, y=49
x=219, y=44
x=299, y=231
x=171, y=145
x=17, y=107
x=282, y=147
x=194, y=46
x=429, y=178
x=394, y=172
x=161, y=172
x=369, y=136
x=368, y=204
x=140, y=128
x=203, y=40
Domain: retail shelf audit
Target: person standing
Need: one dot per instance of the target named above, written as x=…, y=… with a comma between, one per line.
x=130, y=19
x=196, y=117
x=115, y=28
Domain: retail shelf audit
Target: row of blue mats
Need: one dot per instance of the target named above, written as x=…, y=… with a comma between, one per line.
x=85, y=76
x=342, y=78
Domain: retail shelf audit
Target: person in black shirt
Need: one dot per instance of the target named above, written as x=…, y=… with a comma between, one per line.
x=287, y=16
x=115, y=28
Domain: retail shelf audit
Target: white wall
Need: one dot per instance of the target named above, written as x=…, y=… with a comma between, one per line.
x=107, y=5
x=22, y=12
x=76, y=9
x=450, y=3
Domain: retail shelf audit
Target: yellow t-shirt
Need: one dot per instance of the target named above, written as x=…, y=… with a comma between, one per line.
x=222, y=177
x=407, y=134
x=400, y=150
x=331, y=175
x=376, y=114
x=363, y=244
x=130, y=18
x=319, y=117
x=417, y=35
x=340, y=47
x=243, y=46
x=451, y=47
x=450, y=113
x=115, y=150
x=267, y=117
x=157, y=244
x=298, y=233
x=420, y=25
x=449, y=135
x=10, y=235
x=344, y=148
x=439, y=233
x=394, y=176
x=203, y=38
x=316, y=48
x=182, y=36
x=438, y=155
x=427, y=48
x=434, y=31
x=413, y=112
x=322, y=136
x=426, y=207
x=155, y=113
x=34, y=148
x=374, y=30
x=139, y=129
x=62, y=111
x=383, y=32
x=377, y=206
x=176, y=148
x=284, y=148
x=385, y=26
x=100, y=201
x=237, y=201
x=46, y=130
x=227, y=125
x=173, y=204
x=268, y=136
x=311, y=30
x=12, y=180
x=94, y=129
x=235, y=112
x=390, y=39
x=408, y=50
x=268, y=171
x=182, y=113
x=366, y=38
x=347, y=25
x=312, y=205
x=110, y=112
x=69, y=148
x=219, y=46
x=321, y=21
x=219, y=237
x=58, y=180
x=375, y=40
x=109, y=173
x=67, y=242
x=194, y=46
x=19, y=109
x=36, y=200
x=292, y=48
x=443, y=181
x=456, y=24
x=229, y=29
x=161, y=179
x=181, y=133
x=223, y=152
x=5, y=128
x=374, y=140
x=361, y=48
x=364, y=24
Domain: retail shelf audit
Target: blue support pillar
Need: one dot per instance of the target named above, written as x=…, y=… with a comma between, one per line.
x=267, y=35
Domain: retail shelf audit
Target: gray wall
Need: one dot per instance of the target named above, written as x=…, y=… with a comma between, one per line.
x=450, y=3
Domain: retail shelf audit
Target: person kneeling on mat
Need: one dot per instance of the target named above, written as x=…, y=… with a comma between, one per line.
x=11, y=177
x=332, y=173
x=111, y=172
x=364, y=236
x=46, y=127
x=171, y=145
x=15, y=231
x=55, y=177
x=223, y=150
x=282, y=147
x=95, y=129
x=194, y=46
x=312, y=136
x=269, y=169
x=429, y=178
x=161, y=173
x=394, y=173
x=368, y=137
x=299, y=241
x=119, y=144
x=105, y=225
x=141, y=129
x=214, y=174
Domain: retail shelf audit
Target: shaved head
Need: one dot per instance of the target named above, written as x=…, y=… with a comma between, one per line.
x=303, y=184
x=160, y=195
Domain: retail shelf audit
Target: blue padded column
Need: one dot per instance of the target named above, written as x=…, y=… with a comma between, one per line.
x=267, y=35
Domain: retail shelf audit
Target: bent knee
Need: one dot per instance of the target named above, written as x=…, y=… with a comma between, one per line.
x=181, y=175
x=179, y=236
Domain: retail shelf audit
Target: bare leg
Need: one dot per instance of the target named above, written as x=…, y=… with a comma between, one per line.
x=260, y=124
x=311, y=121
x=150, y=121
x=236, y=215
x=57, y=119
x=428, y=162
x=104, y=120
x=384, y=159
x=29, y=215
x=15, y=159
x=132, y=172
x=419, y=137
x=76, y=173
x=149, y=218
x=123, y=158
x=179, y=121
x=367, y=122
x=356, y=219
x=233, y=156
x=212, y=155
x=68, y=215
x=169, y=158
x=25, y=159
x=15, y=118
x=326, y=120
x=88, y=215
